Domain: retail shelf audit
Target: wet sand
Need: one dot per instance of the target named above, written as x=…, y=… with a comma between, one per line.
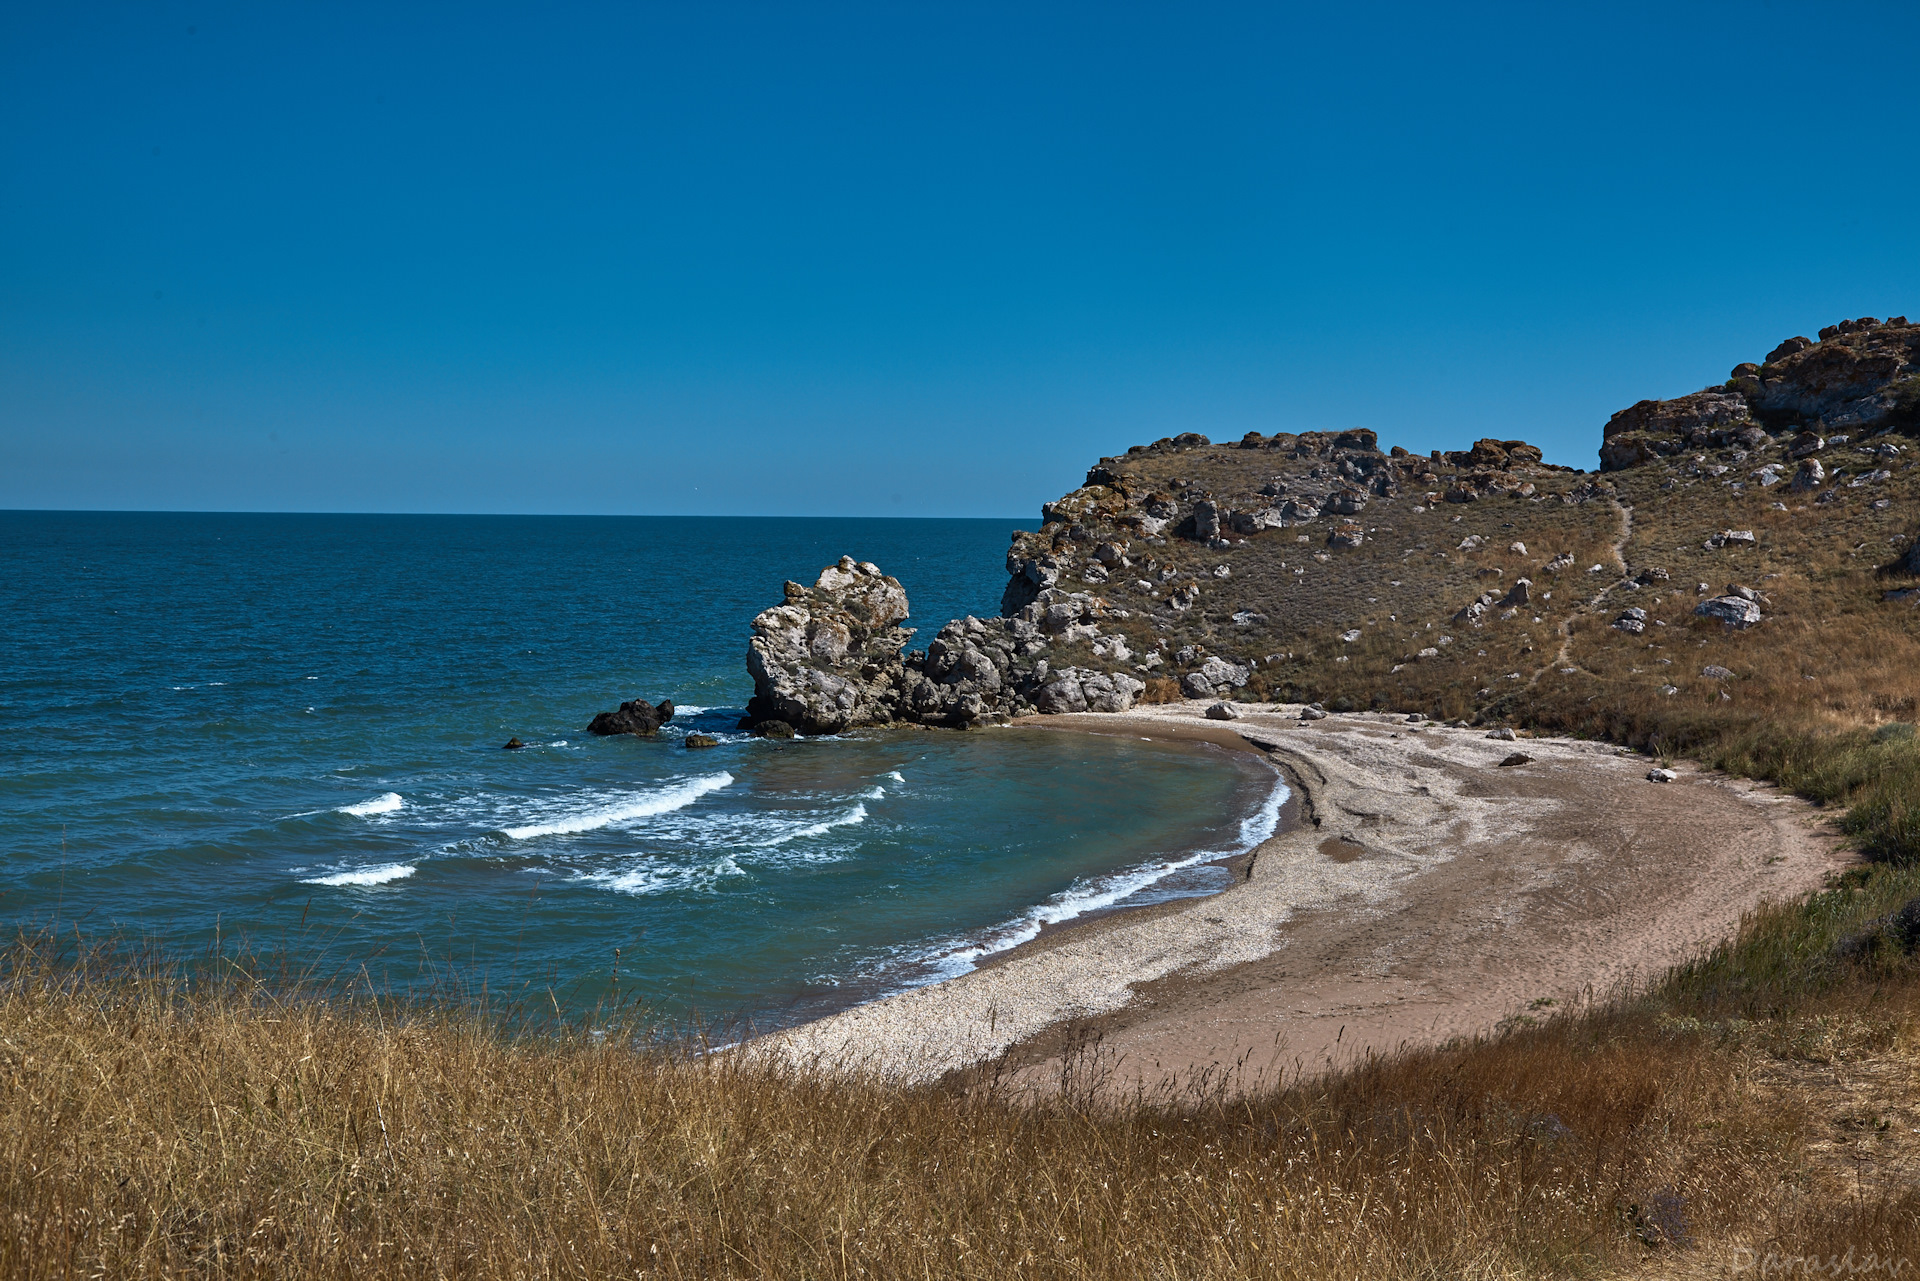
x=1423, y=892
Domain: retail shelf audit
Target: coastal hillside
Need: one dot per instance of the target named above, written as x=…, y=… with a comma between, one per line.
x=1742, y=548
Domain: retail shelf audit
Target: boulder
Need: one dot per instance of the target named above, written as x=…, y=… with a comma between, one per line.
x=1632, y=621
x=702, y=740
x=1734, y=611
x=1809, y=477
x=1502, y=735
x=1313, y=712
x=828, y=658
x=1223, y=712
x=636, y=716
x=1517, y=758
x=1661, y=776
x=513, y=745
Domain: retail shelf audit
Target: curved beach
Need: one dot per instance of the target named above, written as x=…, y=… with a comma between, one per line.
x=1426, y=892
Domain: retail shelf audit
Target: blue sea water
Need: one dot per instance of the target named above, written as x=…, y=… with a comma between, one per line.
x=286, y=730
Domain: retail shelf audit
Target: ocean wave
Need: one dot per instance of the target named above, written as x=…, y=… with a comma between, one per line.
x=858, y=814
x=364, y=876
x=896, y=776
x=874, y=793
x=1094, y=894
x=385, y=803
x=645, y=805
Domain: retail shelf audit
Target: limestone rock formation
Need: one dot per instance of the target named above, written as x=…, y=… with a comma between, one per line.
x=1861, y=376
x=829, y=658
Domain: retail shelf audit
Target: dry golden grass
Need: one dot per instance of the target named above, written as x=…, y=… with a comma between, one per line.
x=157, y=1127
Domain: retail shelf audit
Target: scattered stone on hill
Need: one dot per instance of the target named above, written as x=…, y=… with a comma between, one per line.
x=636, y=716
x=1731, y=538
x=1744, y=593
x=1517, y=758
x=1563, y=561
x=1734, y=611
x=1632, y=621
x=1223, y=712
x=1713, y=671
x=1661, y=776
x=1520, y=593
x=513, y=745
x=1810, y=476
x=1861, y=375
x=702, y=740
x=1651, y=575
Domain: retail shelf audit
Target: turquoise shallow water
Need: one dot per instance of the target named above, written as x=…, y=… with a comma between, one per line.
x=287, y=730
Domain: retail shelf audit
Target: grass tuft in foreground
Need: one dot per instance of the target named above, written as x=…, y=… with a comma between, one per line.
x=164, y=1120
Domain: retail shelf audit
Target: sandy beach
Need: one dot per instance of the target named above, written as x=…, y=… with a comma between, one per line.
x=1425, y=891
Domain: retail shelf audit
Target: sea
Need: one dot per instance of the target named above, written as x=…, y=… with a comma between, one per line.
x=281, y=736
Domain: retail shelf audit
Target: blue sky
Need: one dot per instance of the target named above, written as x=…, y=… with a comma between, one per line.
x=898, y=259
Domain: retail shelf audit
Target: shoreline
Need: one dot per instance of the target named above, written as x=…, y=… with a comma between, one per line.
x=1425, y=892
x=1259, y=793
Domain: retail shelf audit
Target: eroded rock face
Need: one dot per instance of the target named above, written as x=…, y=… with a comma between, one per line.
x=829, y=658
x=1862, y=375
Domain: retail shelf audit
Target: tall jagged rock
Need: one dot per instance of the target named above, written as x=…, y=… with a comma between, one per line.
x=828, y=657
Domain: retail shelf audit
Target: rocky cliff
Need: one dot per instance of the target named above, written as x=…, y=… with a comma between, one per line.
x=1316, y=566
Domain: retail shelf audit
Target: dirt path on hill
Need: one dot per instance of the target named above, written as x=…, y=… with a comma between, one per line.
x=1427, y=892
x=1564, y=655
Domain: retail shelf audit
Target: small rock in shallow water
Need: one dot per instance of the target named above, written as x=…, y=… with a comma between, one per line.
x=773, y=729
x=636, y=716
x=702, y=740
x=514, y=745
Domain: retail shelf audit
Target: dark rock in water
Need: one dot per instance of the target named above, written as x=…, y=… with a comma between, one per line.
x=635, y=717
x=702, y=740
x=772, y=729
x=514, y=745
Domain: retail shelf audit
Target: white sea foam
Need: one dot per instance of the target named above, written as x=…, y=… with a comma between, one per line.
x=1094, y=894
x=364, y=876
x=858, y=814
x=645, y=805
x=688, y=709
x=895, y=775
x=875, y=793
x=385, y=803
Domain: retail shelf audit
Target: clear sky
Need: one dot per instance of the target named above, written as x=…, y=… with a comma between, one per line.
x=899, y=259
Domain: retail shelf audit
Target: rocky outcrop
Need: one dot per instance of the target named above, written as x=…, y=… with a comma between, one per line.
x=636, y=716
x=830, y=658
x=1862, y=375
